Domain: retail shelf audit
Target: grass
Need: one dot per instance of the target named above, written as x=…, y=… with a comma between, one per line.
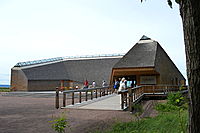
x=170, y=119
x=3, y=89
x=169, y=122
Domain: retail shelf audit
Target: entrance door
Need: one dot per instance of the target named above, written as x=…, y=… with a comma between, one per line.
x=131, y=78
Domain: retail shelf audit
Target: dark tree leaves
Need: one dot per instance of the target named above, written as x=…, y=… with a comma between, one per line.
x=169, y=3
x=178, y=1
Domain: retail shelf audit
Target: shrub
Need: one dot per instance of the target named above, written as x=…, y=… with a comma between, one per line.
x=163, y=123
x=166, y=107
x=176, y=99
x=60, y=123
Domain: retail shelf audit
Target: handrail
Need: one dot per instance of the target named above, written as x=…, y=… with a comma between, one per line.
x=85, y=89
x=131, y=96
x=99, y=90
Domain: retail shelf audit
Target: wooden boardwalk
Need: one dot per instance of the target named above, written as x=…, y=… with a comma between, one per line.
x=109, y=102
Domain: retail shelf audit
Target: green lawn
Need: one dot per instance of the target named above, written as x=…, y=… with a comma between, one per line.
x=2, y=89
x=168, y=122
x=172, y=118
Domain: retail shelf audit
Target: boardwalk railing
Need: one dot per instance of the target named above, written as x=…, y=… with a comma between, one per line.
x=132, y=96
x=92, y=92
x=129, y=97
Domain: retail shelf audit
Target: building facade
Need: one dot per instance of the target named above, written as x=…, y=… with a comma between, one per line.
x=146, y=63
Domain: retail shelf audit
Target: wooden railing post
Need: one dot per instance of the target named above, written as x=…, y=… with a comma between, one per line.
x=122, y=100
x=100, y=92
x=126, y=99
x=134, y=94
x=72, y=98
x=57, y=98
x=139, y=89
x=80, y=97
x=86, y=95
x=106, y=91
x=64, y=99
x=103, y=92
x=165, y=89
x=91, y=94
x=130, y=94
x=96, y=93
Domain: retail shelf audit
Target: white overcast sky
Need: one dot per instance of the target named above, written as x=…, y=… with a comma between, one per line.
x=40, y=29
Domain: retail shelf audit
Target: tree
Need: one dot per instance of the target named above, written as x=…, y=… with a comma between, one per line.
x=189, y=11
x=190, y=14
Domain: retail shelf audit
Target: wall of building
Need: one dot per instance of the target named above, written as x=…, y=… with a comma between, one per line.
x=91, y=69
x=43, y=85
x=169, y=73
x=19, y=81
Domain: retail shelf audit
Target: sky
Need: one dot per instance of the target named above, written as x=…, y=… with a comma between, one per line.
x=42, y=29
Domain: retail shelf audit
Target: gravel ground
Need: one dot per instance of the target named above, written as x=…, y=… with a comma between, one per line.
x=31, y=115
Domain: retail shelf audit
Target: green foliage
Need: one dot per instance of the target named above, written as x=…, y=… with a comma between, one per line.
x=172, y=118
x=138, y=109
x=163, y=123
x=166, y=107
x=176, y=99
x=3, y=89
x=169, y=3
x=175, y=102
x=59, y=124
x=178, y=1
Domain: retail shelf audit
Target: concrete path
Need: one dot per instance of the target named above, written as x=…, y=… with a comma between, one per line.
x=110, y=102
x=42, y=94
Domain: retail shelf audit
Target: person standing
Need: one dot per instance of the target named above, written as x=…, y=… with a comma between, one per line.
x=116, y=85
x=86, y=84
x=103, y=83
x=122, y=85
x=93, y=84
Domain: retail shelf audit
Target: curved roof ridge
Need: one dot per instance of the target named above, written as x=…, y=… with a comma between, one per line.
x=58, y=59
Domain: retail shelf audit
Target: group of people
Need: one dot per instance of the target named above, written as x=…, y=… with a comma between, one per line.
x=122, y=84
x=119, y=84
x=86, y=84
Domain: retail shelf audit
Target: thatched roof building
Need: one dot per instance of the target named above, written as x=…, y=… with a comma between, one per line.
x=145, y=63
x=148, y=64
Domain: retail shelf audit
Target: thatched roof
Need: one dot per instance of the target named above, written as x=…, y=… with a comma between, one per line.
x=97, y=69
x=52, y=71
x=149, y=53
x=142, y=54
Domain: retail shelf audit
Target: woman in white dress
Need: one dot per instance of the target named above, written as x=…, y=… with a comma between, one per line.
x=122, y=85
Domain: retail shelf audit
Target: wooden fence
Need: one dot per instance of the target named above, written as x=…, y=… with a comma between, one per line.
x=131, y=96
x=92, y=92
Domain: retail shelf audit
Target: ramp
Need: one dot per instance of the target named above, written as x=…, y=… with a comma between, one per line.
x=110, y=102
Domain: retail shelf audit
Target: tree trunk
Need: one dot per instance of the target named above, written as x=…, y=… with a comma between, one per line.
x=190, y=13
